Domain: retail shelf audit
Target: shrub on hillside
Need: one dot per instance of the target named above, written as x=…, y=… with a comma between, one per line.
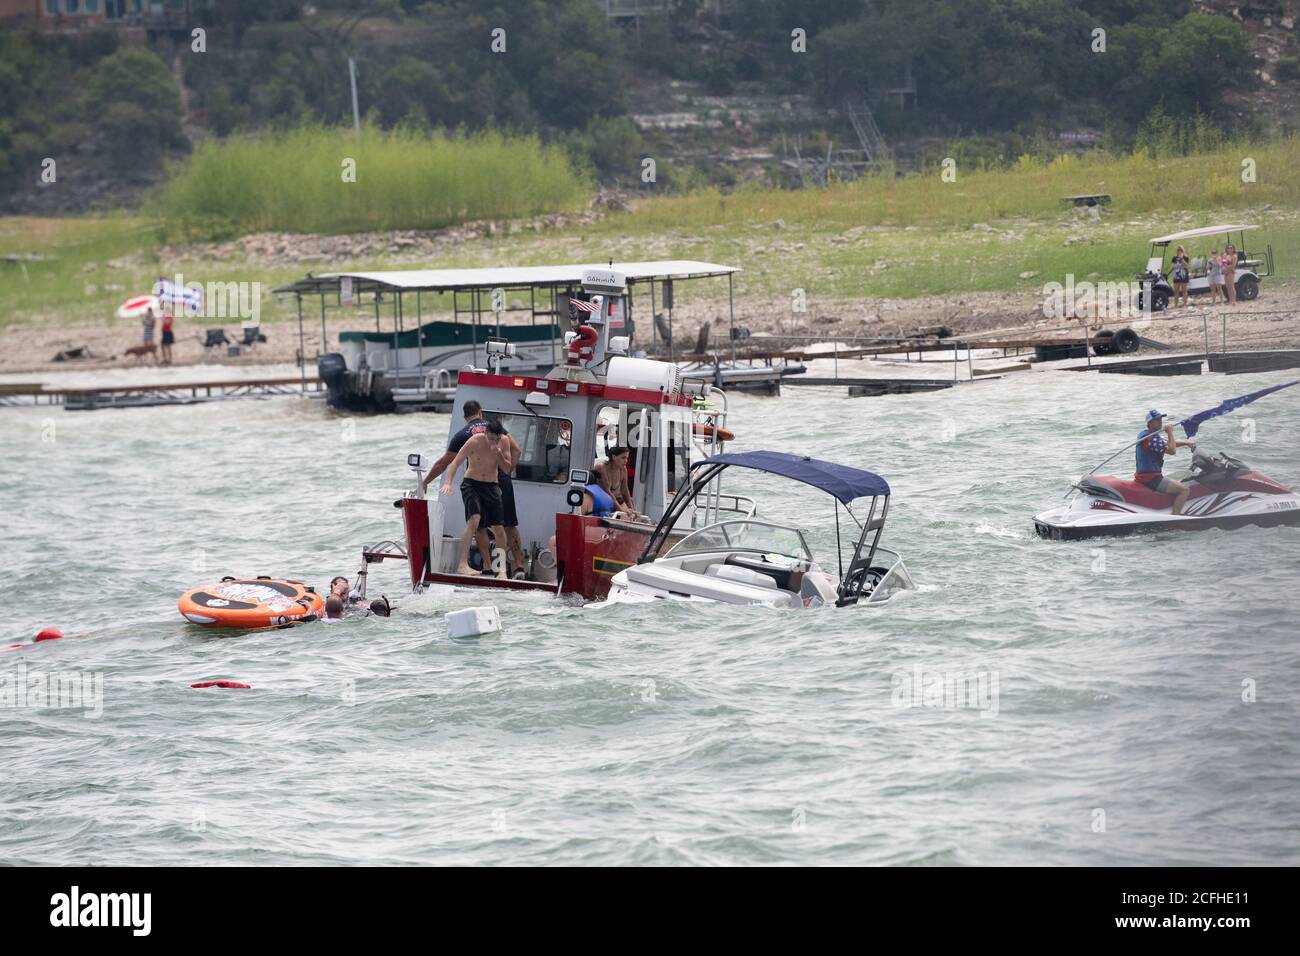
x=133, y=104
x=326, y=180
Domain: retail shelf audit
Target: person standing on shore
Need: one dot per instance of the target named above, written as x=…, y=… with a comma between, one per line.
x=1229, y=264
x=168, y=338
x=148, y=323
x=1181, y=276
x=1214, y=270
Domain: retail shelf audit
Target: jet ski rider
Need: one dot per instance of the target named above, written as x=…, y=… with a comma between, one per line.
x=1155, y=443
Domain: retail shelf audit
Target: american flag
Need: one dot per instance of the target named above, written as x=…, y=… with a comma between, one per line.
x=583, y=306
x=1192, y=425
x=188, y=297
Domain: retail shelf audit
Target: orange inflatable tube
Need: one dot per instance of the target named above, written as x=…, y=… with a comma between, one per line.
x=250, y=602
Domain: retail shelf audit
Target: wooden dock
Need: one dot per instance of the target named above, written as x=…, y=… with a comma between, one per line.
x=869, y=388
x=1239, y=363
x=1162, y=366
x=1230, y=363
x=145, y=396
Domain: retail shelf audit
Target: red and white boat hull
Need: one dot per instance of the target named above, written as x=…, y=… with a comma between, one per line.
x=1104, y=505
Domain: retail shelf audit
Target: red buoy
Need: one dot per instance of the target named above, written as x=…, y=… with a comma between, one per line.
x=223, y=683
x=49, y=634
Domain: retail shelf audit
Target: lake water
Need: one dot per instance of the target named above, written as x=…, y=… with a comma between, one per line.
x=1135, y=701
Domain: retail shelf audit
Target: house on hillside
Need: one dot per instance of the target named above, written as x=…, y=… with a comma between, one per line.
x=152, y=16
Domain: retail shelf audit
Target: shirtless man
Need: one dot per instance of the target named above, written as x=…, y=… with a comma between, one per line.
x=510, y=516
x=483, y=454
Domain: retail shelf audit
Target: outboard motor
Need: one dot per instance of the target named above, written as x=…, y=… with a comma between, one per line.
x=331, y=368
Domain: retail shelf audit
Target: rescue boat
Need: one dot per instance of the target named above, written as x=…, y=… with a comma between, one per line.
x=250, y=603
x=566, y=423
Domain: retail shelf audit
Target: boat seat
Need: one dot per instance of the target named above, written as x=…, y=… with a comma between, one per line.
x=817, y=586
x=731, y=572
x=1135, y=493
x=676, y=581
x=780, y=575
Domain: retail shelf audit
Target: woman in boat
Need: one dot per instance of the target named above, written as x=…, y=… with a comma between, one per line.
x=597, y=501
x=611, y=475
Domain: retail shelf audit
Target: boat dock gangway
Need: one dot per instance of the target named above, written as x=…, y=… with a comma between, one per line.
x=161, y=393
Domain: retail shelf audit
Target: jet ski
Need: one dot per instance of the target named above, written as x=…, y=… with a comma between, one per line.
x=1225, y=493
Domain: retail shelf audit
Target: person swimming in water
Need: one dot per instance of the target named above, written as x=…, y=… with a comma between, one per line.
x=333, y=610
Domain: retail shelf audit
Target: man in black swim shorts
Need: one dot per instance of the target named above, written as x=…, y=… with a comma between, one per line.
x=485, y=455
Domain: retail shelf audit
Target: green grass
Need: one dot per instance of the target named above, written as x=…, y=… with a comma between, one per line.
x=876, y=238
x=1136, y=183
x=294, y=182
x=91, y=259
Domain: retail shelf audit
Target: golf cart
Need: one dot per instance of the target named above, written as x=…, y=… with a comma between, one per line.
x=1250, y=269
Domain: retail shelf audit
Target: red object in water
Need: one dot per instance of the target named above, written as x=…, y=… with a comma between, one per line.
x=223, y=683
x=49, y=634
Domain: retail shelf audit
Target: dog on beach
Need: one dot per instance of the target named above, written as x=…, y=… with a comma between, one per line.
x=138, y=352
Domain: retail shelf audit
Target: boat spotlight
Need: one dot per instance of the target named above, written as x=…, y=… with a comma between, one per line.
x=414, y=461
x=618, y=344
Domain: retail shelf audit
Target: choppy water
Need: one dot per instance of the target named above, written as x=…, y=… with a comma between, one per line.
x=652, y=734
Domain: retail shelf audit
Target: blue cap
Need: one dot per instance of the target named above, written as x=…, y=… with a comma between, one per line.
x=1155, y=413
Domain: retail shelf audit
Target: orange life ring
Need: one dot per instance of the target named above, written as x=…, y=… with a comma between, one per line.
x=707, y=430
x=250, y=602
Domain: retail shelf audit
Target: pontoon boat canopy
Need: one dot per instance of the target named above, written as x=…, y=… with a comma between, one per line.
x=1198, y=233
x=450, y=280
x=841, y=481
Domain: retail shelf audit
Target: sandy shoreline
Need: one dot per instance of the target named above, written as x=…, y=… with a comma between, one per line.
x=1272, y=321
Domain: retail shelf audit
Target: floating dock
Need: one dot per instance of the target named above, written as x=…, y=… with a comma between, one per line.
x=1194, y=363
x=1237, y=363
x=145, y=396
x=1163, y=365
x=863, y=387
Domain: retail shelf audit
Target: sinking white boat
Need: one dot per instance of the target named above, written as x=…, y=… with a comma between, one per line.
x=750, y=561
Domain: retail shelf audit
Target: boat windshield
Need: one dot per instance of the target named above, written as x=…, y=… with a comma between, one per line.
x=771, y=540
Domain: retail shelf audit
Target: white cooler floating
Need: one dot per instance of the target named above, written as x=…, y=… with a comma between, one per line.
x=473, y=621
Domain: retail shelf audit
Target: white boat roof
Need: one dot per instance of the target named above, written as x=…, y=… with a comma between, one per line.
x=1198, y=233
x=513, y=277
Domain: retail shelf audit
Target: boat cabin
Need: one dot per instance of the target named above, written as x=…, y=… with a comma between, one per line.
x=566, y=420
